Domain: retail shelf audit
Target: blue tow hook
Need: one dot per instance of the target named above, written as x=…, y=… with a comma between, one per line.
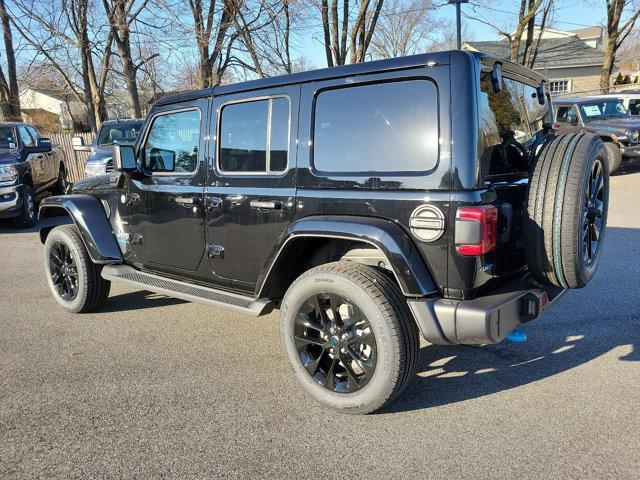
x=517, y=336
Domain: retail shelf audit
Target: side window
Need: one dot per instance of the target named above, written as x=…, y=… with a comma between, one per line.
x=254, y=136
x=634, y=106
x=384, y=127
x=511, y=122
x=26, y=137
x=565, y=114
x=172, y=142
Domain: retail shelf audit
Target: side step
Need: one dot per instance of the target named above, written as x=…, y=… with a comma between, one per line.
x=186, y=291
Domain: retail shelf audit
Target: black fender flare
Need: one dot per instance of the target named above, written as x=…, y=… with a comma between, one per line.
x=409, y=268
x=91, y=220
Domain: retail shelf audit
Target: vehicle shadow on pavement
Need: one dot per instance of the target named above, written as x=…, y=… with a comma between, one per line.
x=628, y=168
x=586, y=324
x=137, y=300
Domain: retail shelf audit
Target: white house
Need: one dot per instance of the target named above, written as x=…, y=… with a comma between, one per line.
x=57, y=103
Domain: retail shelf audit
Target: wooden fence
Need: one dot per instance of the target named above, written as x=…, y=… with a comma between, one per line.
x=74, y=161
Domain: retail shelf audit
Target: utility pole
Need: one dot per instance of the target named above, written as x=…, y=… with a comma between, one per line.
x=457, y=3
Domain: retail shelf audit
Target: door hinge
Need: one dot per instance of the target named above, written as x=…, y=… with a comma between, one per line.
x=215, y=251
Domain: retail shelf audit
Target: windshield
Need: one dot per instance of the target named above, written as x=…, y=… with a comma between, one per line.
x=8, y=137
x=603, y=109
x=111, y=134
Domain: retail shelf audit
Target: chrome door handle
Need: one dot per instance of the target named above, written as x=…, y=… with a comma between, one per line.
x=268, y=204
x=187, y=200
x=213, y=203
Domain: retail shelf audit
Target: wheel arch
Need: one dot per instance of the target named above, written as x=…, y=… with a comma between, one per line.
x=89, y=217
x=309, y=237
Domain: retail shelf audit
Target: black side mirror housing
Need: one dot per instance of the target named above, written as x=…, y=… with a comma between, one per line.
x=541, y=94
x=574, y=120
x=43, y=145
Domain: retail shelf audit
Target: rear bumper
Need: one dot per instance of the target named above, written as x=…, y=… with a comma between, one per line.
x=10, y=201
x=483, y=320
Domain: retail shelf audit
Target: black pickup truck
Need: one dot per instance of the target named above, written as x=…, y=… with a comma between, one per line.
x=371, y=203
x=29, y=164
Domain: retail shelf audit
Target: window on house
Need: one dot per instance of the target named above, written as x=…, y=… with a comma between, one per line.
x=254, y=136
x=559, y=86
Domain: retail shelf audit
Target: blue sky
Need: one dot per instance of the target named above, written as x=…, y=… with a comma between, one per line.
x=569, y=15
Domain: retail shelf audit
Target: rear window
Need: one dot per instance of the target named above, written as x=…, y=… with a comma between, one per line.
x=387, y=127
x=511, y=122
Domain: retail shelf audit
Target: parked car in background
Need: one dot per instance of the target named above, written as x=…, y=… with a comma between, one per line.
x=630, y=99
x=29, y=164
x=111, y=132
x=605, y=116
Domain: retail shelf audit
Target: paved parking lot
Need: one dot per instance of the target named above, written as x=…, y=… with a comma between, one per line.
x=155, y=387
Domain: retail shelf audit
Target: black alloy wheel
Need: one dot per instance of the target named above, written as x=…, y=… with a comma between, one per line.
x=335, y=343
x=592, y=213
x=64, y=272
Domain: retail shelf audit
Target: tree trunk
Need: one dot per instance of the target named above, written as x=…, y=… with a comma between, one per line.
x=607, y=67
x=13, y=112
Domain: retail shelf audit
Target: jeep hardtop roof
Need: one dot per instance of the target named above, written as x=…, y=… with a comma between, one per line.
x=400, y=63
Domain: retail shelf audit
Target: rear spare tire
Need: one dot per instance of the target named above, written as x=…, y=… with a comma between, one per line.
x=567, y=205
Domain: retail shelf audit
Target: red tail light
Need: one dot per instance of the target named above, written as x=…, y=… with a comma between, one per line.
x=476, y=229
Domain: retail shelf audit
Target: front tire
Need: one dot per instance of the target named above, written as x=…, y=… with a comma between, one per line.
x=61, y=183
x=74, y=280
x=349, y=337
x=29, y=214
x=614, y=155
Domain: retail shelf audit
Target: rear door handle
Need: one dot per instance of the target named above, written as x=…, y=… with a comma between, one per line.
x=188, y=200
x=267, y=204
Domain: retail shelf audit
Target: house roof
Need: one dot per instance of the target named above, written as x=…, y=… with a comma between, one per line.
x=589, y=32
x=552, y=53
x=57, y=94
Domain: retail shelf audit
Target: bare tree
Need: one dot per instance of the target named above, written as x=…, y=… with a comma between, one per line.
x=405, y=28
x=338, y=26
x=617, y=32
x=526, y=18
x=60, y=33
x=122, y=14
x=9, y=93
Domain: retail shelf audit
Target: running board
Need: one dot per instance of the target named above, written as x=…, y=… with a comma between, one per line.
x=186, y=291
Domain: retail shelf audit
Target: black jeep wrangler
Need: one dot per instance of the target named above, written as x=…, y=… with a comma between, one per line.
x=371, y=203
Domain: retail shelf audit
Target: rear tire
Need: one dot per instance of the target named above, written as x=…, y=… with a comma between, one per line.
x=614, y=155
x=74, y=280
x=567, y=210
x=382, y=334
x=29, y=213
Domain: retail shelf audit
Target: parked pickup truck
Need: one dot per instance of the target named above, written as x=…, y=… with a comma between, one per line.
x=371, y=203
x=605, y=116
x=29, y=164
x=110, y=133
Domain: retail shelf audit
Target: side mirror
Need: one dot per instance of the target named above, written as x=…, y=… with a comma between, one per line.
x=124, y=159
x=43, y=144
x=541, y=94
x=574, y=120
x=77, y=143
x=496, y=77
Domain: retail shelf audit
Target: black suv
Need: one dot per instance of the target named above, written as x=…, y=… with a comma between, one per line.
x=371, y=203
x=29, y=164
x=606, y=117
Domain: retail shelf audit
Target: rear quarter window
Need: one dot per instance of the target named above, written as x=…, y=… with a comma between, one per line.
x=511, y=122
x=386, y=127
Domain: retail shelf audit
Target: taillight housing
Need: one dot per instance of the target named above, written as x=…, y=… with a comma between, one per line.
x=476, y=229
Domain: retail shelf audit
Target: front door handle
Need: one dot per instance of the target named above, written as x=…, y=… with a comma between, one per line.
x=189, y=201
x=266, y=204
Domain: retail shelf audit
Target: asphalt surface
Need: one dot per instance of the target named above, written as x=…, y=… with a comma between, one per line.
x=155, y=387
